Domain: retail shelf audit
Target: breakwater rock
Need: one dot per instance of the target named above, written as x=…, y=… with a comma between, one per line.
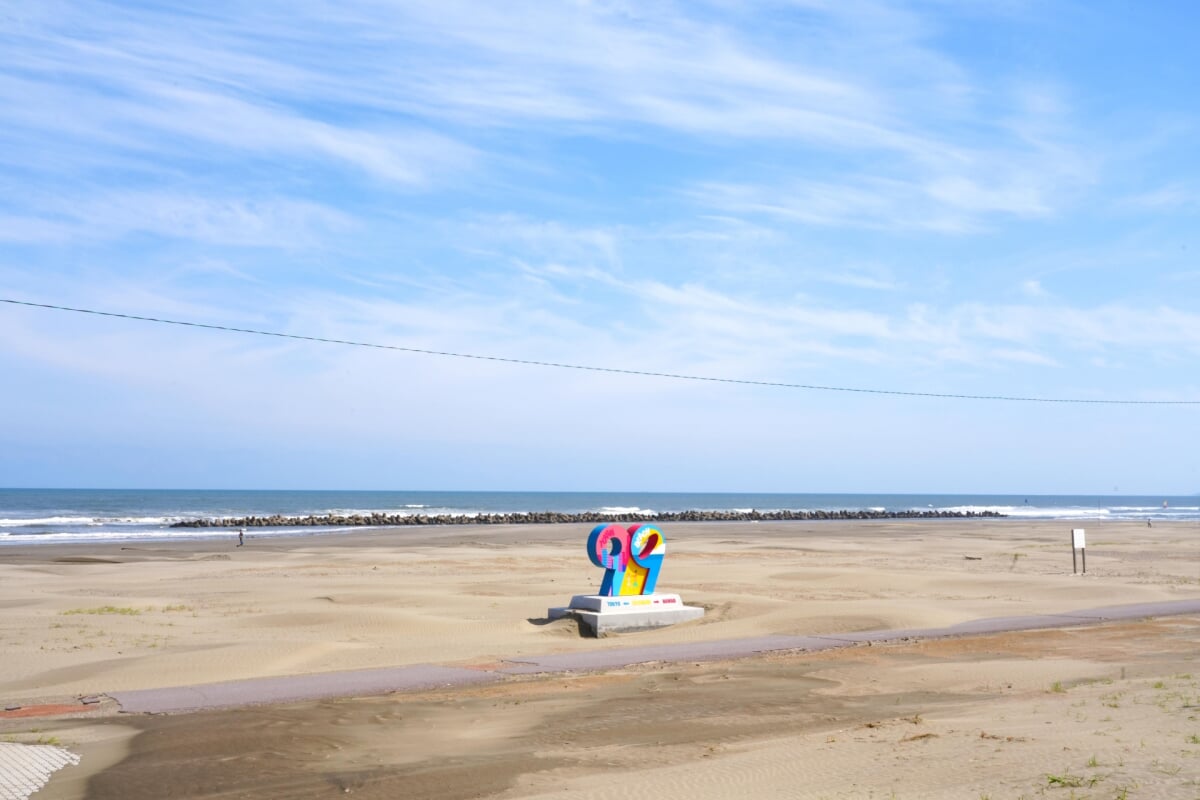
x=559, y=517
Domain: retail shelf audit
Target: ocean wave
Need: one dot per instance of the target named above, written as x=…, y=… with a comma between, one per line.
x=1034, y=512
x=95, y=536
x=1114, y=513
x=624, y=510
x=80, y=521
x=30, y=522
x=159, y=535
x=1154, y=509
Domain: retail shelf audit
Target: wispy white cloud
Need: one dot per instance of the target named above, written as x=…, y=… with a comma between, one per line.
x=684, y=317
x=950, y=205
x=1111, y=326
x=1021, y=357
x=950, y=197
x=1172, y=197
x=664, y=326
x=407, y=94
x=599, y=63
x=111, y=215
x=1033, y=288
x=24, y=229
x=862, y=281
x=143, y=87
x=156, y=119
x=691, y=324
x=682, y=327
x=872, y=203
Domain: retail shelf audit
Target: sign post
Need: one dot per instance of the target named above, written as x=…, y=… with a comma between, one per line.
x=1078, y=542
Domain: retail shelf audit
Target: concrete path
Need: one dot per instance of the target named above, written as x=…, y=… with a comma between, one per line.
x=289, y=689
x=362, y=683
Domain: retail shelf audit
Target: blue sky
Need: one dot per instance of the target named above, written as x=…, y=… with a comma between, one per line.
x=948, y=197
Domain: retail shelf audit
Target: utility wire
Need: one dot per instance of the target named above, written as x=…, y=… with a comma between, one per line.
x=614, y=370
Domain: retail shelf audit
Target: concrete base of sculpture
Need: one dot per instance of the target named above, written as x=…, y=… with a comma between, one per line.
x=603, y=615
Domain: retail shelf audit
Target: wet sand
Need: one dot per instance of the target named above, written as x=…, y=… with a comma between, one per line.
x=1108, y=708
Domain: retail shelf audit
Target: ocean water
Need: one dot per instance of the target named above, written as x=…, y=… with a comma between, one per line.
x=80, y=515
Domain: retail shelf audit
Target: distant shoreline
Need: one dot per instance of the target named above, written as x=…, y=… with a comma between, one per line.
x=558, y=517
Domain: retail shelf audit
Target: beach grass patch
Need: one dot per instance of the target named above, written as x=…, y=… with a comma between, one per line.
x=1067, y=780
x=121, y=610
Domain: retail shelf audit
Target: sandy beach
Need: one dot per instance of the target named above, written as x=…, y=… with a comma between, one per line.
x=1097, y=711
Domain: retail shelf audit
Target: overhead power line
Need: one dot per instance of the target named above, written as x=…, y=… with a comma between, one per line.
x=588, y=368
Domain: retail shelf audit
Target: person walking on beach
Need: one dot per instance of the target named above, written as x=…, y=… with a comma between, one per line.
x=241, y=536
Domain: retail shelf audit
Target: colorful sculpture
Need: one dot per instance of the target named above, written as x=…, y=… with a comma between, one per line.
x=630, y=557
x=628, y=600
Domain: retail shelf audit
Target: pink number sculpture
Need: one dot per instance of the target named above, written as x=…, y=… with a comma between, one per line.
x=630, y=557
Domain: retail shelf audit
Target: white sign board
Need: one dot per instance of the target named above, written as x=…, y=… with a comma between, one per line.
x=1078, y=540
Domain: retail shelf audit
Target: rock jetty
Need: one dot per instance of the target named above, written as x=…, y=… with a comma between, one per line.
x=559, y=517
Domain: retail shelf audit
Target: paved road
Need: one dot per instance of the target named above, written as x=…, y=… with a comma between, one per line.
x=362, y=683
